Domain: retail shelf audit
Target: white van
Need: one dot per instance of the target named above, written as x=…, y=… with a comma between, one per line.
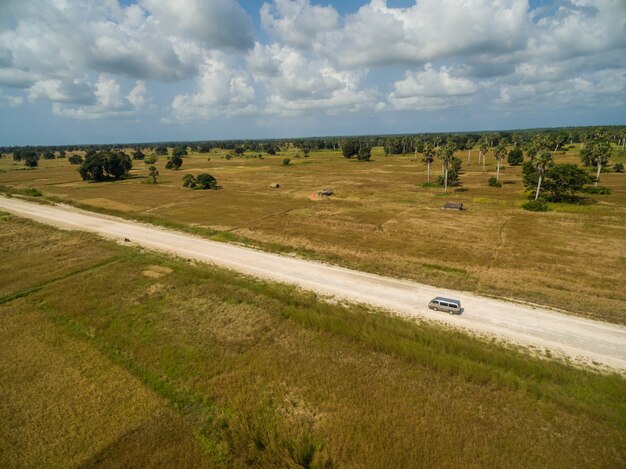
x=446, y=304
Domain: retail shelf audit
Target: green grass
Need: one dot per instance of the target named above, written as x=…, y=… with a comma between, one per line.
x=222, y=370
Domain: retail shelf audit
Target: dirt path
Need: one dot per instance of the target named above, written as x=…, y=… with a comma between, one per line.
x=578, y=338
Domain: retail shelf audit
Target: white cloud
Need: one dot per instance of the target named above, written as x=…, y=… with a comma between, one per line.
x=429, y=30
x=222, y=90
x=62, y=91
x=221, y=24
x=431, y=89
x=298, y=23
x=10, y=100
x=109, y=101
x=296, y=82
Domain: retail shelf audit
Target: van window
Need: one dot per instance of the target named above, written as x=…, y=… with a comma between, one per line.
x=453, y=306
x=435, y=302
x=444, y=304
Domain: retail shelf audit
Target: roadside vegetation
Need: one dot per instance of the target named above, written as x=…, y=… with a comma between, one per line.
x=113, y=357
x=385, y=215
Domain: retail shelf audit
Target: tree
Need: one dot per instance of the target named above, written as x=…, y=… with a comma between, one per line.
x=204, y=148
x=48, y=155
x=161, y=150
x=150, y=159
x=469, y=145
x=105, y=165
x=483, y=146
x=445, y=154
x=349, y=148
x=138, y=154
x=189, y=181
x=598, y=153
x=429, y=156
x=499, y=153
x=516, y=157
x=541, y=163
x=175, y=162
x=31, y=159
x=75, y=159
x=365, y=153
x=564, y=180
x=179, y=151
x=153, y=173
x=206, y=181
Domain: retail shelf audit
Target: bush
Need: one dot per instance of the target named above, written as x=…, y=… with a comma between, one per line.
x=189, y=181
x=596, y=190
x=286, y=162
x=150, y=159
x=200, y=182
x=515, y=157
x=179, y=152
x=538, y=205
x=365, y=153
x=618, y=167
x=175, y=162
x=493, y=182
x=206, y=181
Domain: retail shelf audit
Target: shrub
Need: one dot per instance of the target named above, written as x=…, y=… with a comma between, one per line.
x=286, y=162
x=179, y=152
x=75, y=159
x=175, y=162
x=189, y=181
x=538, y=205
x=515, y=157
x=206, y=181
x=618, y=167
x=596, y=190
x=493, y=182
x=228, y=156
x=365, y=153
x=150, y=159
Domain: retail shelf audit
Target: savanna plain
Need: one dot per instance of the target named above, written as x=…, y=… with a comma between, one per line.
x=112, y=356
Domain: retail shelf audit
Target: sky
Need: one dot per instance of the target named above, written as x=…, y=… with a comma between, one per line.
x=120, y=71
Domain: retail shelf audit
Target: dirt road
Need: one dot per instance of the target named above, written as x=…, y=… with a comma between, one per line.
x=578, y=338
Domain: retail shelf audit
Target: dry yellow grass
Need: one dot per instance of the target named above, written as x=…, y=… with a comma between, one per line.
x=382, y=221
x=203, y=367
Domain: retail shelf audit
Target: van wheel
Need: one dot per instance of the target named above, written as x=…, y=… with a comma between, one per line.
x=435, y=309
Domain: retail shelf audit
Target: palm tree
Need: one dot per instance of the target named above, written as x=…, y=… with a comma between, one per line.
x=541, y=163
x=469, y=145
x=446, y=153
x=600, y=152
x=499, y=154
x=483, y=145
x=429, y=155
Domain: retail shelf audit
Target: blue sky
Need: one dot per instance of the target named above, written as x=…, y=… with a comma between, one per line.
x=78, y=71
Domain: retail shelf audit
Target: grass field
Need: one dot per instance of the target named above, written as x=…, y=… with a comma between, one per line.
x=382, y=220
x=110, y=356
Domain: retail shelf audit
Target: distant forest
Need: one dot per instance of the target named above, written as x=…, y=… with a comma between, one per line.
x=392, y=144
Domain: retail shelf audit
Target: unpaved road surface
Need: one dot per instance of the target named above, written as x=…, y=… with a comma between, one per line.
x=581, y=339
